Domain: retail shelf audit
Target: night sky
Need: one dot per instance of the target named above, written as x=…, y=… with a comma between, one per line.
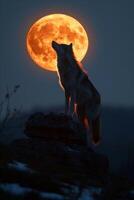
x=109, y=62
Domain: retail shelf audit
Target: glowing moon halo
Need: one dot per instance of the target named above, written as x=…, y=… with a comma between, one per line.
x=60, y=28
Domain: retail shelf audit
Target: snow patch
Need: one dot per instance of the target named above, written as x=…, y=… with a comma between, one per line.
x=95, y=190
x=20, y=167
x=51, y=196
x=86, y=195
x=14, y=188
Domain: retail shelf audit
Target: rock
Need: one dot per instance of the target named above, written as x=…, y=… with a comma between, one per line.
x=58, y=140
x=55, y=127
x=59, y=163
x=61, y=160
x=56, y=154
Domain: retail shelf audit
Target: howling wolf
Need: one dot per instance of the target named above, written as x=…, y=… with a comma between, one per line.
x=80, y=94
x=67, y=72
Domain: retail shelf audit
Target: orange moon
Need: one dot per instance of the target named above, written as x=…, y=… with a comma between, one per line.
x=58, y=27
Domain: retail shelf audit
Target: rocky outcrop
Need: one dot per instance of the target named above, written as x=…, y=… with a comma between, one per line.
x=56, y=157
x=60, y=141
x=55, y=127
x=53, y=162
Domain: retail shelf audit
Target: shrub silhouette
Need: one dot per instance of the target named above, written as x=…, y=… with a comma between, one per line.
x=6, y=113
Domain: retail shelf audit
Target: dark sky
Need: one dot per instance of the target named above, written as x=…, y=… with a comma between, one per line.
x=110, y=63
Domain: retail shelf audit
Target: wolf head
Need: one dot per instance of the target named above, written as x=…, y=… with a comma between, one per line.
x=62, y=50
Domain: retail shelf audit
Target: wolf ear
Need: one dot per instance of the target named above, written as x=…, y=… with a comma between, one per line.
x=70, y=46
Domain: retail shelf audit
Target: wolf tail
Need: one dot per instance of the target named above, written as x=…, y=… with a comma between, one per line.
x=94, y=127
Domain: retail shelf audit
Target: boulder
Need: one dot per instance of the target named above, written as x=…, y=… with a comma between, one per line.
x=55, y=127
x=61, y=160
x=57, y=143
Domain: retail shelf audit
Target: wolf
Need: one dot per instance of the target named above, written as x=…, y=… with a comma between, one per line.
x=67, y=73
x=81, y=97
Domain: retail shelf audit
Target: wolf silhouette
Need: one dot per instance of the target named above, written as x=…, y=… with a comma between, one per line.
x=80, y=94
x=67, y=72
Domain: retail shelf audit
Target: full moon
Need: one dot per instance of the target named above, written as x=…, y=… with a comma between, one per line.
x=58, y=27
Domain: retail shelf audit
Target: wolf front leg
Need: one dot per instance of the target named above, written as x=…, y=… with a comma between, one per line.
x=67, y=100
x=72, y=103
x=96, y=136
